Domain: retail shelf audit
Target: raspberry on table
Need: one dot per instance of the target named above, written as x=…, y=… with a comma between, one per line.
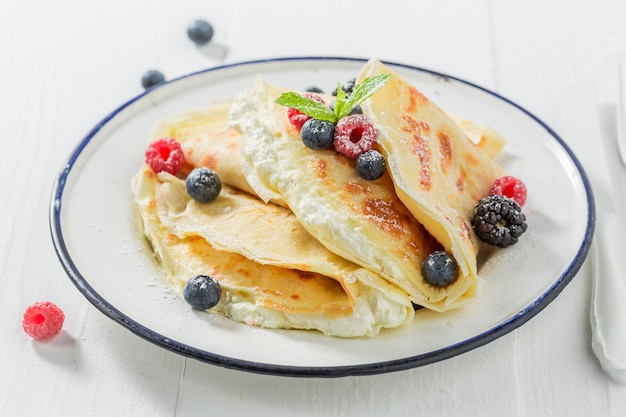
x=354, y=135
x=165, y=154
x=43, y=320
x=510, y=187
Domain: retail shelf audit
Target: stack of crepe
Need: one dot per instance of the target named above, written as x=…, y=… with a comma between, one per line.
x=297, y=239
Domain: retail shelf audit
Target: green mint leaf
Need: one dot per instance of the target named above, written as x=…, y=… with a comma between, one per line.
x=307, y=106
x=362, y=91
x=340, y=101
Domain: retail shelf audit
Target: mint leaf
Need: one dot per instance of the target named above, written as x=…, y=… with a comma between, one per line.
x=307, y=106
x=340, y=101
x=343, y=104
x=362, y=91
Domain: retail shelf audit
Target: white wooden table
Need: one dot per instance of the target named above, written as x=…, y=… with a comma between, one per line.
x=65, y=64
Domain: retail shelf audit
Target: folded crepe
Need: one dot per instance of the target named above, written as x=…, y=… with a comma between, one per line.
x=362, y=221
x=272, y=272
x=438, y=173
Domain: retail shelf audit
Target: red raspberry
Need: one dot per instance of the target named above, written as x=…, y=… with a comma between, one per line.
x=165, y=154
x=510, y=187
x=354, y=135
x=43, y=320
x=298, y=118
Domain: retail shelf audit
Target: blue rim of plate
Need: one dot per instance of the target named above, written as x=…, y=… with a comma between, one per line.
x=437, y=355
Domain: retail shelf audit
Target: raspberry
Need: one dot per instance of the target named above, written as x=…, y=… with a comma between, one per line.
x=165, y=154
x=354, y=135
x=43, y=320
x=510, y=187
x=498, y=221
x=297, y=118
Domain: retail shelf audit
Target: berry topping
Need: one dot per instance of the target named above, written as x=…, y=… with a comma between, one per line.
x=355, y=110
x=348, y=87
x=296, y=117
x=203, y=184
x=43, y=320
x=165, y=154
x=371, y=165
x=440, y=269
x=354, y=134
x=202, y=292
x=200, y=31
x=314, y=89
x=318, y=134
x=151, y=78
x=510, y=187
x=498, y=221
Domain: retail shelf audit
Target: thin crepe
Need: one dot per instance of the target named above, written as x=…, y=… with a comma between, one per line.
x=272, y=272
x=438, y=173
x=362, y=221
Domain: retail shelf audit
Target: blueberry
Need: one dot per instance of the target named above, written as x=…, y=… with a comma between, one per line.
x=151, y=78
x=371, y=165
x=318, y=134
x=202, y=292
x=314, y=89
x=355, y=110
x=203, y=184
x=440, y=269
x=200, y=31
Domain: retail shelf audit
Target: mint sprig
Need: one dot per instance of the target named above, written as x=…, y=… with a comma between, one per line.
x=343, y=104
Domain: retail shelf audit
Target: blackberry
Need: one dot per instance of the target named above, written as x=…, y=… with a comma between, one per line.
x=347, y=87
x=202, y=292
x=440, y=269
x=200, y=32
x=498, y=221
x=318, y=134
x=203, y=184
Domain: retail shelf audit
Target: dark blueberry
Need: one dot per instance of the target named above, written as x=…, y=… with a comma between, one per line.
x=498, y=221
x=202, y=292
x=314, y=89
x=318, y=134
x=203, y=184
x=200, y=31
x=151, y=78
x=371, y=165
x=440, y=269
x=347, y=87
x=355, y=110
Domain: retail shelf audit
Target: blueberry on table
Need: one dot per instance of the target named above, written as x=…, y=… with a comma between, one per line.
x=371, y=165
x=200, y=31
x=151, y=78
x=202, y=292
x=318, y=134
x=203, y=184
x=440, y=269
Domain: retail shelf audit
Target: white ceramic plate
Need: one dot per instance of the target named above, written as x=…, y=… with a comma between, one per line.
x=94, y=232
